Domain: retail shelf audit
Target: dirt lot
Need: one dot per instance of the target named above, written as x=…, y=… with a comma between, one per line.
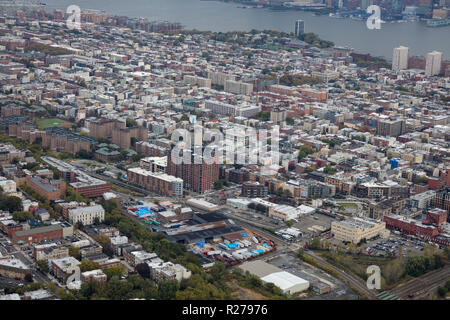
x=242, y=293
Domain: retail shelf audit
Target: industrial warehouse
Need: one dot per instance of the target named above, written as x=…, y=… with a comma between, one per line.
x=287, y=282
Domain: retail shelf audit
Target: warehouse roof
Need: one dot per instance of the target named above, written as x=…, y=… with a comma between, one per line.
x=259, y=268
x=284, y=280
x=30, y=232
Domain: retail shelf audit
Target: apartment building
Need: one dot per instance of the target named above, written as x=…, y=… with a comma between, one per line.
x=219, y=78
x=159, y=182
x=198, y=177
x=238, y=87
x=61, y=268
x=49, y=251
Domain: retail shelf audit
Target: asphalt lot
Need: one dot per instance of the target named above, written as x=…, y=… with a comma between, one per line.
x=393, y=243
x=309, y=221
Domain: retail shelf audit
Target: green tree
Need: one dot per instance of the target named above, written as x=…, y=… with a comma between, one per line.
x=329, y=170
x=290, y=121
x=304, y=151
x=315, y=243
x=114, y=272
x=28, y=277
x=442, y=291
x=289, y=223
x=144, y=270
x=279, y=192
x=131, y=123
x=167, y=289
x=74, y=252
x=417, y=265
x=300, y=253
x=263, y=116
x=218, y=270
x=43, y=265
x=218, y=184
x=22, y=216
x=87, y=265
x=298, y=80
x=10, y=204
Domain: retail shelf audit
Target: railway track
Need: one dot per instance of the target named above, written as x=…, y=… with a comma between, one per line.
x=120, y=183
x=423, y=285
x=347, y=278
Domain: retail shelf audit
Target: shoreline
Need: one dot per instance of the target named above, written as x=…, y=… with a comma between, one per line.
x=312, y=19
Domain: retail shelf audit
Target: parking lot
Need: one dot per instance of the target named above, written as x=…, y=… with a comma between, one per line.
x=6, y=246
x=382, y=247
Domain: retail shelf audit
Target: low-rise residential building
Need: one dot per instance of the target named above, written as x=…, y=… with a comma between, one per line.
x=49, y=251
x=94, y=276
x=168, y=271
x=61, y=267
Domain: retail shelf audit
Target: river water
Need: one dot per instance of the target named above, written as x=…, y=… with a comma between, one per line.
x=220, y=16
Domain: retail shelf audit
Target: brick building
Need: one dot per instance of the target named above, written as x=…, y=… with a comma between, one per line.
x=49, y=189
x=437, y=216
x=150, y=149
x=117, y=131
x=410, y=226
x=39, y=234
x=416, y=62
x=442, y=199
x=91, y=190
x=196, y=177
x=253, y=190
x=159, y=182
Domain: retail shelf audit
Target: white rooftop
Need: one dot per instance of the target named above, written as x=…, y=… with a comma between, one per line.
x=284, y=280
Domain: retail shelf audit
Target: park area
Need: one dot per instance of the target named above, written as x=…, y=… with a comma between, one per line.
x=49, y=123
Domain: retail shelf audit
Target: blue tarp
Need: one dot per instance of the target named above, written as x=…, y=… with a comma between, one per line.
x=142, y=211
x=244, y=235
x=232, y=245
x=201, y=244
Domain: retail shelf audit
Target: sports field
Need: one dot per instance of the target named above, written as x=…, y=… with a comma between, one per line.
x=48, y=123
